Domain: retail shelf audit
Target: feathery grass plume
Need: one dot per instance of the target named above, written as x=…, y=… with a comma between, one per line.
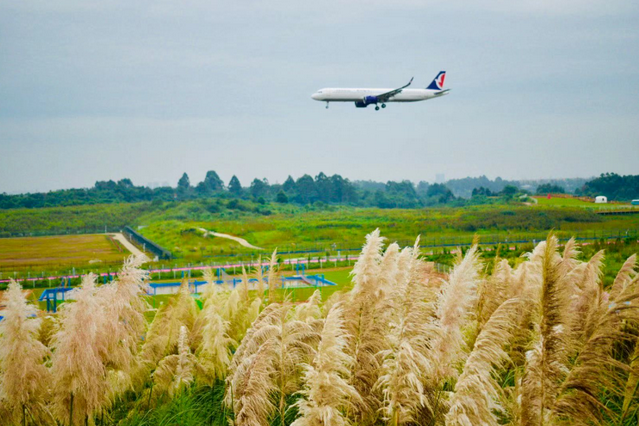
x=163, y=334
x=258, y=275
x=365, y=321
x=456, y=298
x=244, y=288
x=274, y=282
x=309, y=311
x=175, y=372
x=283, y=345
x=366, y=271
x=406, y=360
x=493, y=291
x=24, y=378
x=595, y=368
x=546, y=362
x=624, y=276
x=255, y=336
x=215, y=349
x=211, y=288
x=388, y=266
x=79, y=386
x=476, y=395
x=253, y=403
x=124, y=321
x=588, y=291
x=327, y=393
x=569, y=257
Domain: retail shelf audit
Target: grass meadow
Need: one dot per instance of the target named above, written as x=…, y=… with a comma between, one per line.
x=58, y=252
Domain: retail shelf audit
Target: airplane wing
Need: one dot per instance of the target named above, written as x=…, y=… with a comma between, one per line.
x=386, y=96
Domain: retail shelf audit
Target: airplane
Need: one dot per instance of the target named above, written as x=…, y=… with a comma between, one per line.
x=366, y=97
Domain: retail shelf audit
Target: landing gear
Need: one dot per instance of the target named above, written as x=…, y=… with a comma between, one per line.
x=376, y=108
x=326, y=104
x=383, y=105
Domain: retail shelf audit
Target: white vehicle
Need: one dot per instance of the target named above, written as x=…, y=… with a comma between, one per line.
x=365, y=97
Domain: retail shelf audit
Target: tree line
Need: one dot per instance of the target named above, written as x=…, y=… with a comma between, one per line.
x=334, y=189
x=305, y=190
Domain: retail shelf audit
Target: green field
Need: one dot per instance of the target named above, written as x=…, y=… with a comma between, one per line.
x=563, y=202
x=344, y=228
x=309, y=231
x=53, y=253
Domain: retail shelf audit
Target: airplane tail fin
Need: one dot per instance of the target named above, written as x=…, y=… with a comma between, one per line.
x=438, y=82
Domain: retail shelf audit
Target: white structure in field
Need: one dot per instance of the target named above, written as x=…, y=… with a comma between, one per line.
x=601, y=199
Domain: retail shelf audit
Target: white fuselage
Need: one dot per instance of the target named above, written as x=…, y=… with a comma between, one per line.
x=356, y=95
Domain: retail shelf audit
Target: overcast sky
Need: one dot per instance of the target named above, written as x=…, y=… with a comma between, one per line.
x=151, y=89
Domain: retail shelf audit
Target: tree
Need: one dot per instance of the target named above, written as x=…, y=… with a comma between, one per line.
x=323, y=187
x=509, y=191
x=281, y=197
x=125, y=183
x=306, y=190
x=481, y=191
x=440, y=193
x=259, y=188
x=289, y=185
x=549, y=188
x=184, y=183
x=213, y=182
x=235, y=187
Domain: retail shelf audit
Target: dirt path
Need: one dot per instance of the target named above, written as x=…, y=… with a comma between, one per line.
x=127, y=244
x=242, y=241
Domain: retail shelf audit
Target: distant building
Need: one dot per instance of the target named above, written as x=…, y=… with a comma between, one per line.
x=601, y=199
x=440, y=178
x=635, y=202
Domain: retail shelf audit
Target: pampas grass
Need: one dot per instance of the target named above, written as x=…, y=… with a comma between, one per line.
x=175, y=372
x=365, y=321
x=453, y=308
x=80, y=387
x=476, y=395
x=327, y=393
x=24, y=378
x=406, y=359
x=539, y=343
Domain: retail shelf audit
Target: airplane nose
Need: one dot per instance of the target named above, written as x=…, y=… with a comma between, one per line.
x=315, y=96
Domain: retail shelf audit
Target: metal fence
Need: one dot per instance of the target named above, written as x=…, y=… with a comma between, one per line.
x=147, y=244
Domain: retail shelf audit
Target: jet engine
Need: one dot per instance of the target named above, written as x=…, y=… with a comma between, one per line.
x=366, y=101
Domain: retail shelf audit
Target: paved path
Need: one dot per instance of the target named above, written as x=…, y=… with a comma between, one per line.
x=128, y=244
x=242, y=241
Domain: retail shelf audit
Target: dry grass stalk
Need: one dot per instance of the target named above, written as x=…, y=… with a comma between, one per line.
x=274, y=279
x=364, y=319
x=215, y=349
x=80, y=387
x=258, y=274
x=546, y=363
x=124, y=321
x=595, y=367
x=327, y=393
x=270, y=362
x=453, y=307
x=406, y=359
x=162, y=337
x=476, y=395
x=24, y=378
x=175, y=372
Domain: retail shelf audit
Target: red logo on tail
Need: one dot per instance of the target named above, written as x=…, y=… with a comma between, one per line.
x=440, y=83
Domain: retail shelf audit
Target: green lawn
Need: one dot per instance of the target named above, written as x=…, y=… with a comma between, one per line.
x=563, y=202
x=54, y=253
x=344, y=228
